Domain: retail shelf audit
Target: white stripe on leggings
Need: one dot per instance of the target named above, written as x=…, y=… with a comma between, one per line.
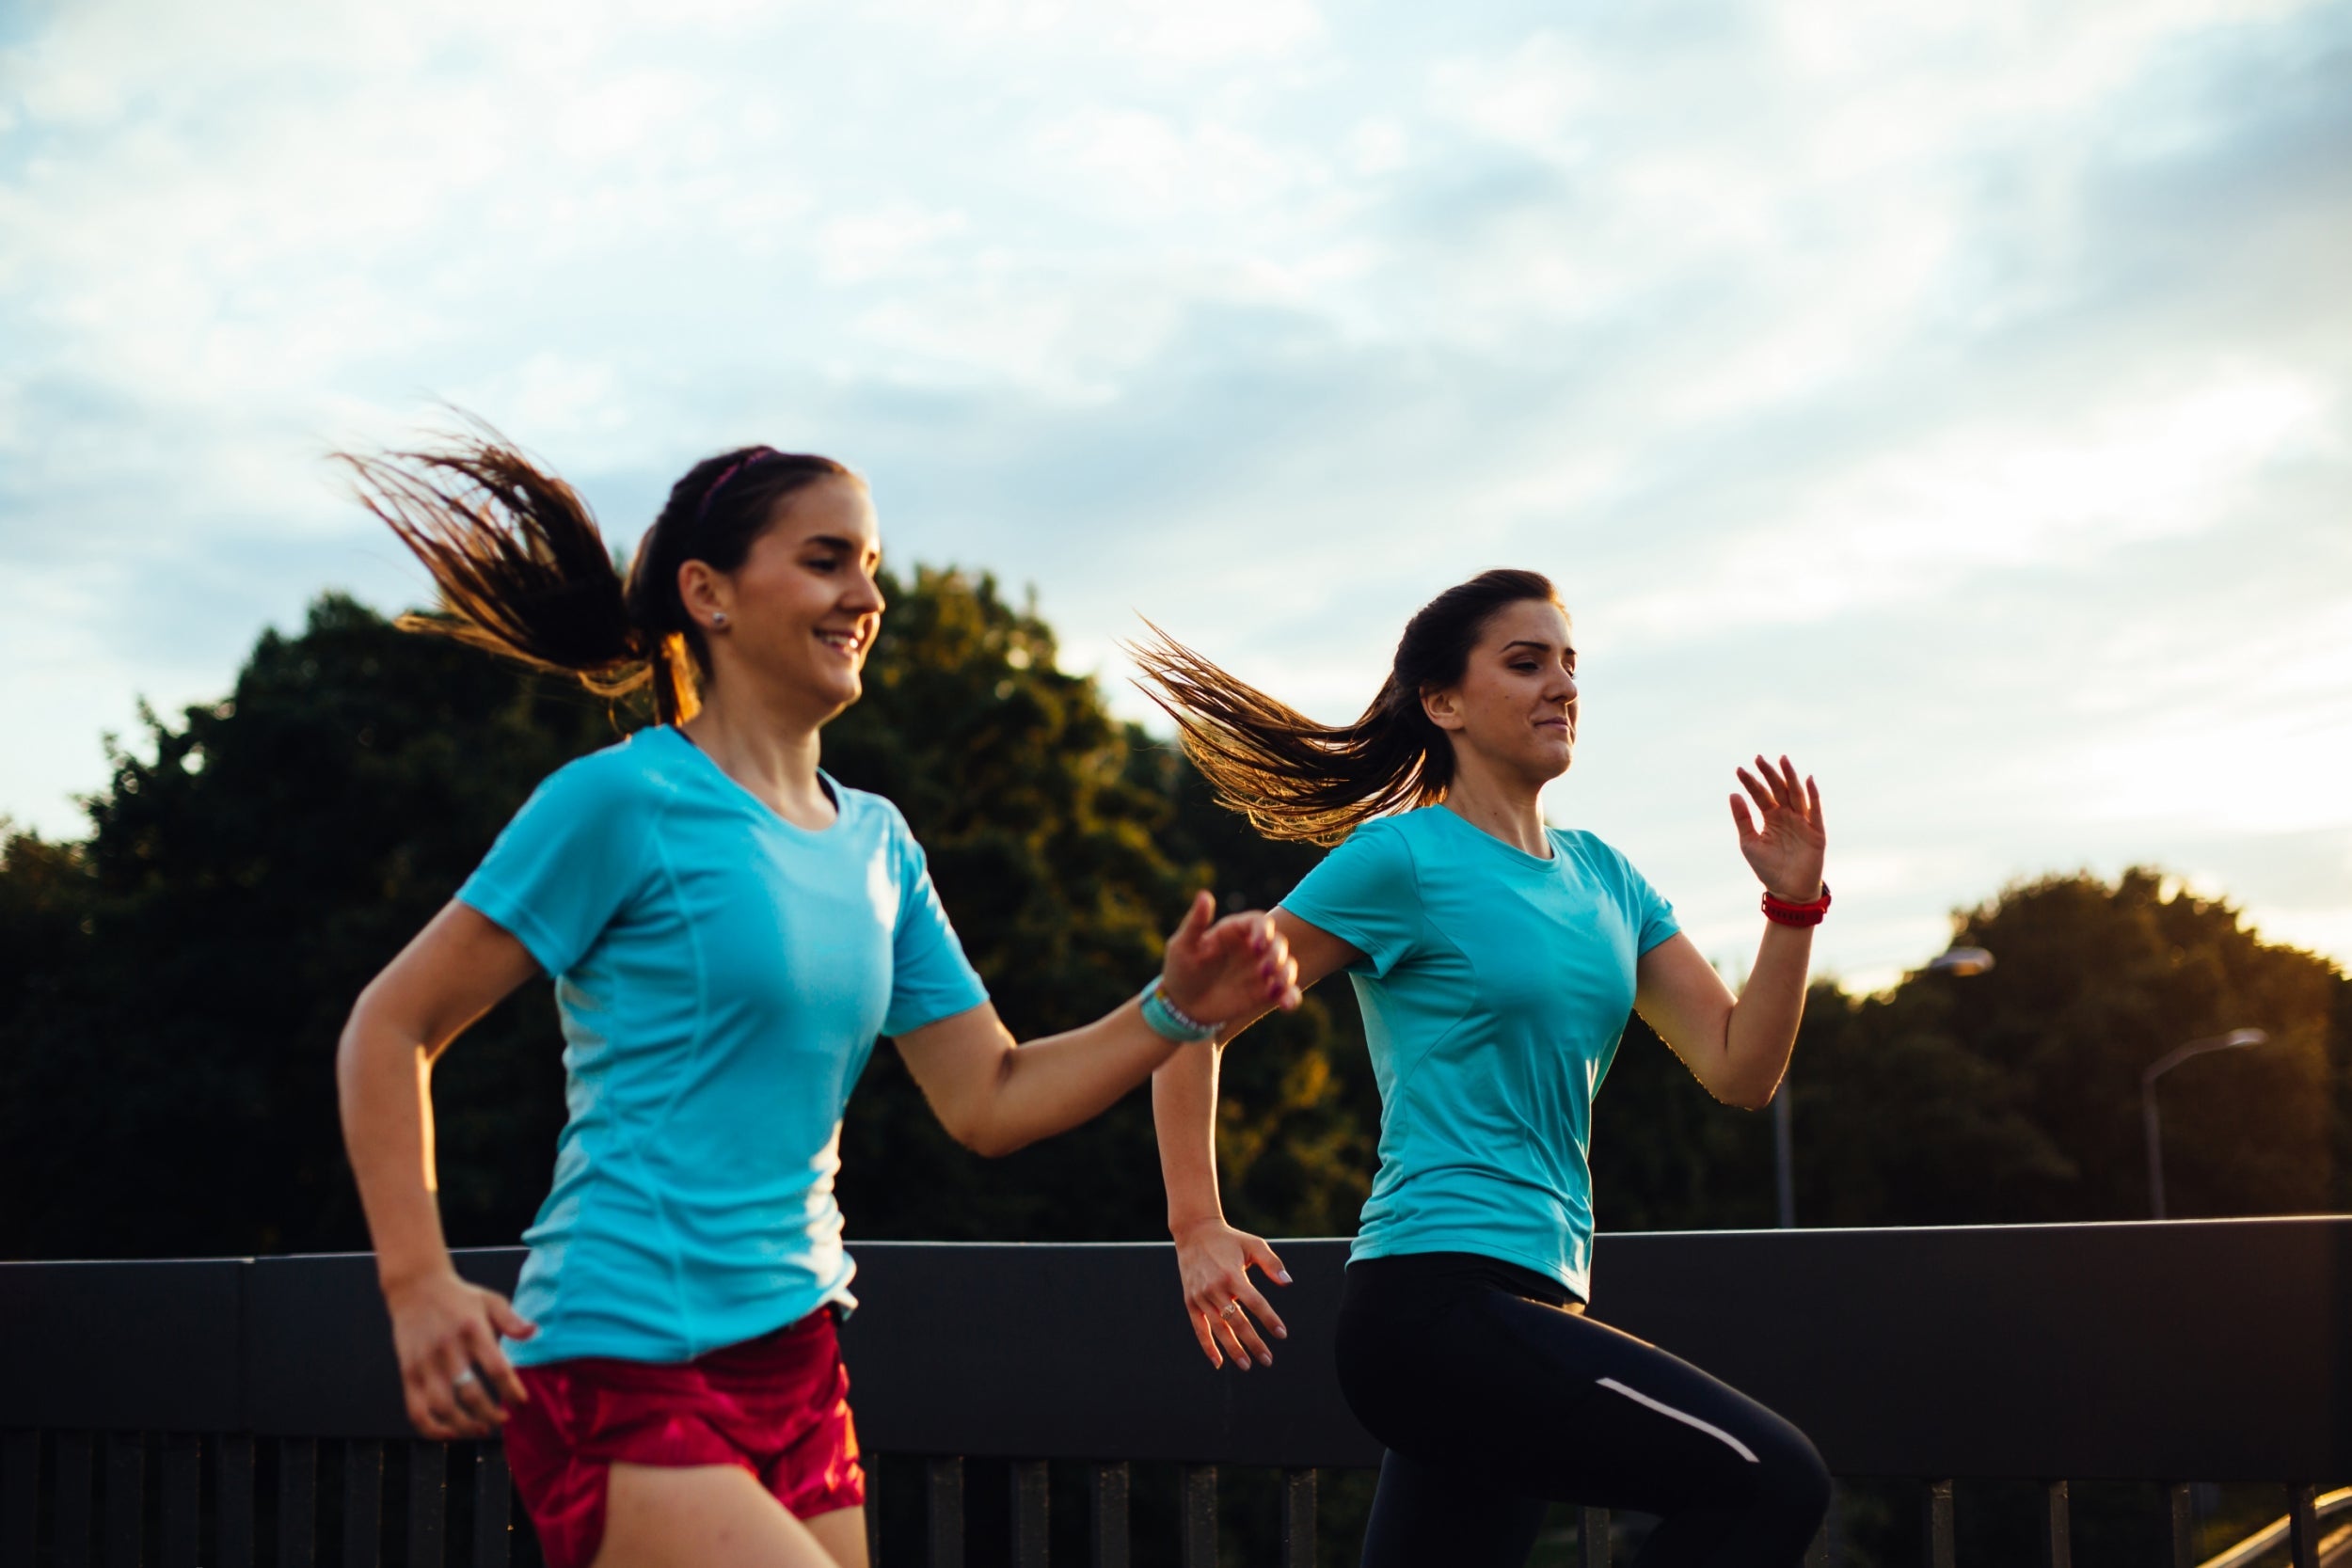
x=1684, y=1416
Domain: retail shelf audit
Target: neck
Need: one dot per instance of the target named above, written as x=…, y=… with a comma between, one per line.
x=1498, y=803
x=769, y=750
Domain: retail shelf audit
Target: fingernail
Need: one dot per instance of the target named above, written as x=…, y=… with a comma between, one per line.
x=1282, y=1275
x=1266, y=1361
x=1281, y=1334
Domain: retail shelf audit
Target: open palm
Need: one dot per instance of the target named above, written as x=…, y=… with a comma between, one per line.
x=1783, y=841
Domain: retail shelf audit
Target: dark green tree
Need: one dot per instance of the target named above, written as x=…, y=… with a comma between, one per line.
x=166, y=1077
x=175, y=984
x=2015, y=1096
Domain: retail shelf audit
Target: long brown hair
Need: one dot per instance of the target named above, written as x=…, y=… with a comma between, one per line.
x=523, y=570
x=1296, y=779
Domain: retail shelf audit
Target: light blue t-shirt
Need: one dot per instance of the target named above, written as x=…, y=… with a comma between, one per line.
x=1495, y=987
x=722, y=977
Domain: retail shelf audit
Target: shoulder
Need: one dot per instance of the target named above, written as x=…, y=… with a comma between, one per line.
x=872, y=817
x=1380, y=850
x=630, y=778
x=1387, y=838
x=1604, y=861
x=868, y=809
x=1587, y=847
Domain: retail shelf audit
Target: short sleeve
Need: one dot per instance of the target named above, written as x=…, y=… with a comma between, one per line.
x=930, y=976
x=567, y=862
x=1647, y=910
x=1365, y=893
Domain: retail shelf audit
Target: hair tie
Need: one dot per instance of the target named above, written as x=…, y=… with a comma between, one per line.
x=750, y=459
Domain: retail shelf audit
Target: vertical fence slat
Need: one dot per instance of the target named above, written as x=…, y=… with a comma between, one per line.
x=1031, y=1514
x=943, y=1503
x=2303, y=1524
x=1106, y=1517
x=1941, y=1551
x=1107, y=1540
x=493, y=1507
x=72, y=1526
x=1196, y=1508
x=1592, y=1538
x=872, y=1466
x=363, y=1503
x=2181, y=1524
x=20, y=1495
x=297, y=1501
x=232, y=1500
x=125, y=1527
x=181, y=1486
x=2057, y=1527
x=428, y=1504
x=1299, y=1519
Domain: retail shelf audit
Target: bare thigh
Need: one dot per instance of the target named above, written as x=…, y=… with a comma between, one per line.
x=717, y=1516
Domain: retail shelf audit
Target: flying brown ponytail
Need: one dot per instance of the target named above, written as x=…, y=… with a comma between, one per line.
x=1295, y=779
x=523, y=570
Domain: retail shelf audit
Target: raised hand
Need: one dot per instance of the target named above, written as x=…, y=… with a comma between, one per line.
x=1233, y=969
x=1787, y=846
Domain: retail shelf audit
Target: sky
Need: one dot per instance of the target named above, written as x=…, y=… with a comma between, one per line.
x=1950, y=396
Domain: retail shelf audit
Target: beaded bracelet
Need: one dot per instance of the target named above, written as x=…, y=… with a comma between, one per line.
x=1788, y=912
x=1169, y=1022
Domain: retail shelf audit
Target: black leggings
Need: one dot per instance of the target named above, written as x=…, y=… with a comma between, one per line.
x=1494, y=1402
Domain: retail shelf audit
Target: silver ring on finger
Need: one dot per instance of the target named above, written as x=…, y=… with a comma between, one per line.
x=469, y=1375
x=1232, y=1308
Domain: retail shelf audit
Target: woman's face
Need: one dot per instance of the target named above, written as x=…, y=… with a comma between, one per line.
x=1514, y=705
x=801, y=611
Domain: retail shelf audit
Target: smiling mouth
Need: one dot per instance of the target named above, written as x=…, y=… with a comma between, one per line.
x=844, y=642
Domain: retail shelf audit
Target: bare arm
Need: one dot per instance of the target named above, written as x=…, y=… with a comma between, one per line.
x=457, y=969
x=1214, y=1258
x=995, y=1096
x=1737, y=1048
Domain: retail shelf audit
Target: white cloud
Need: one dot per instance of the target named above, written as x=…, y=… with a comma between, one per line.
x=2004, y=497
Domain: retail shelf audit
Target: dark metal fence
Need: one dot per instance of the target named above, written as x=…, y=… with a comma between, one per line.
x=238, y=1412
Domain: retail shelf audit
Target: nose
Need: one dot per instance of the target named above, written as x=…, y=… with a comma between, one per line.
x=864, y=595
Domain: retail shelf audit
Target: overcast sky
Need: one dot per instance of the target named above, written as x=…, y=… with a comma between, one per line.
x=1951, y=396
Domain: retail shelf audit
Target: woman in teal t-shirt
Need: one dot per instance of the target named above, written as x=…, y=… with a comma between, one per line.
x=728, y=930
x=1495, y=961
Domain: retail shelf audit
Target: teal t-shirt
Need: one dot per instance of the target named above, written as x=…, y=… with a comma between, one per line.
x=722, y=977
x=1495, y=987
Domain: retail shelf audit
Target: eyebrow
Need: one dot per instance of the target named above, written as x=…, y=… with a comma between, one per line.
x=1539, y=647
x=839, y=541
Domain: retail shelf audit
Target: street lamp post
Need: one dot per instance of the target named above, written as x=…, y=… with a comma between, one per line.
x=1960, y=962
x=2235, y=1040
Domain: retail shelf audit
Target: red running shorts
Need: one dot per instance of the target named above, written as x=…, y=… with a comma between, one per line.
x=777, y=1405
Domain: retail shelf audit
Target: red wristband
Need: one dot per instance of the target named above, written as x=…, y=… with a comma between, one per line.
x=1790, y=914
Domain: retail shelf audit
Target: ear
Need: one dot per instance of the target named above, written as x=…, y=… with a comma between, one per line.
x=705, y=592
x=1443, y=705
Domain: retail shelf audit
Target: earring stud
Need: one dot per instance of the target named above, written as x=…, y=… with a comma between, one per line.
x=718, y=620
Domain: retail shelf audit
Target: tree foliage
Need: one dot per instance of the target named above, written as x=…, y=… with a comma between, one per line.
x=173, y=984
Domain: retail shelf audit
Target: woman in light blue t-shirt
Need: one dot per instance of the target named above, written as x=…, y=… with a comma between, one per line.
x=728, y=930
x=1495, y=961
